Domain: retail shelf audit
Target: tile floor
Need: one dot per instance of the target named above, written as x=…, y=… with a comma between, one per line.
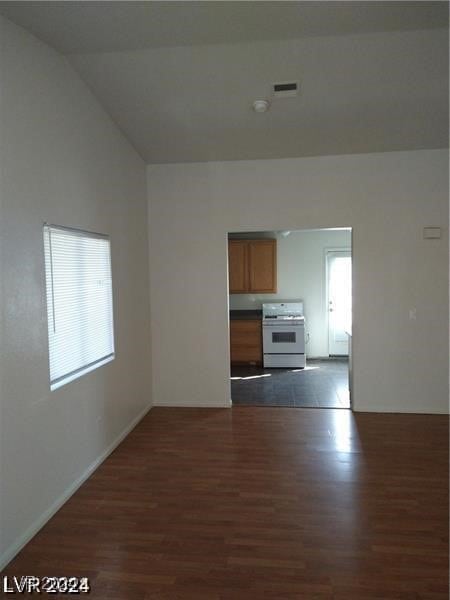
x=322, y=384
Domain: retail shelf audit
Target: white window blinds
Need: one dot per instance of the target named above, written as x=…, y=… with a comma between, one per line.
x=79, y=302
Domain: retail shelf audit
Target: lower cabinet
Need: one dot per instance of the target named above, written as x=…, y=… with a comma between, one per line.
x=246, y=342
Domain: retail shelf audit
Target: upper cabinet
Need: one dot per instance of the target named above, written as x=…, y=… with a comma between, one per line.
x=262, y=258
x=237, y=266
x=252, y=266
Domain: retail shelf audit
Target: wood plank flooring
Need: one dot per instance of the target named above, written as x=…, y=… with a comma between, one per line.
x=250, y=503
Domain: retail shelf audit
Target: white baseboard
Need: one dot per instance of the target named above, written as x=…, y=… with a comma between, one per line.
x=399, y=410
x=192, y=404
x=17, y=546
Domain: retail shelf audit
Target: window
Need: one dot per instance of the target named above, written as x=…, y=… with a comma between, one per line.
x=79, y=302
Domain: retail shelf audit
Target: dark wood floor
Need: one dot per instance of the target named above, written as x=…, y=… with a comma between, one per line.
x=251, y=503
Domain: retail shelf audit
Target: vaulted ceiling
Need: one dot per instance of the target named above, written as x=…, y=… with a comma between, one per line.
x=179, y=78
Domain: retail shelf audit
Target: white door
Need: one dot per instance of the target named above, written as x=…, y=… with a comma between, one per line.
x=339, y=295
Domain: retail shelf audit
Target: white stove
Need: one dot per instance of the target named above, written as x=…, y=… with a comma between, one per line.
x=283, y=327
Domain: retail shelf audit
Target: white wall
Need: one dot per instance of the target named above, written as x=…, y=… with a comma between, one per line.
x=301, y=275
x=399, y=364
x=62, y=161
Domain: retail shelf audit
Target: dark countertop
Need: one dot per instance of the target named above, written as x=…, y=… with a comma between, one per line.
x=245, y=314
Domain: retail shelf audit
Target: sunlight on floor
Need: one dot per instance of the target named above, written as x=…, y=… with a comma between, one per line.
x=307, y=368
x=342, y=431
x=344, y=395
x=253, y=376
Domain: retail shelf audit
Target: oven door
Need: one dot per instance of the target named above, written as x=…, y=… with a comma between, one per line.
x=283, y=339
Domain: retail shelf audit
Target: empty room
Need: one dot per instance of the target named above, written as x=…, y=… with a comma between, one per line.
x=224, y=299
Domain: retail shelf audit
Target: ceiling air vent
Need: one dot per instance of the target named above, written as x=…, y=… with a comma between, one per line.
x=287, y=89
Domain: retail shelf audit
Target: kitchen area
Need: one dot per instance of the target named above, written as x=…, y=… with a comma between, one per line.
x=285, y=347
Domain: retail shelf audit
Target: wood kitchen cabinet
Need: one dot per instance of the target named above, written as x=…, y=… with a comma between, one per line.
x=237, y=266
x=252, y=266
x=246, y=341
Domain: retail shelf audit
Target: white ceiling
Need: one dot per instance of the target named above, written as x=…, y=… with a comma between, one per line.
x=92, y=26
x=179, y=78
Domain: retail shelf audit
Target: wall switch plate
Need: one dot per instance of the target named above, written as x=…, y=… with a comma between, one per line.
x=431, y=233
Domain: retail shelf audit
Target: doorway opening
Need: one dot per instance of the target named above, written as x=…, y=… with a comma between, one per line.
x=290, y=303
x=339, y=295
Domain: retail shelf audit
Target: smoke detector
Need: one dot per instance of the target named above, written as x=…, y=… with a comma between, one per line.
x=261, y=106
